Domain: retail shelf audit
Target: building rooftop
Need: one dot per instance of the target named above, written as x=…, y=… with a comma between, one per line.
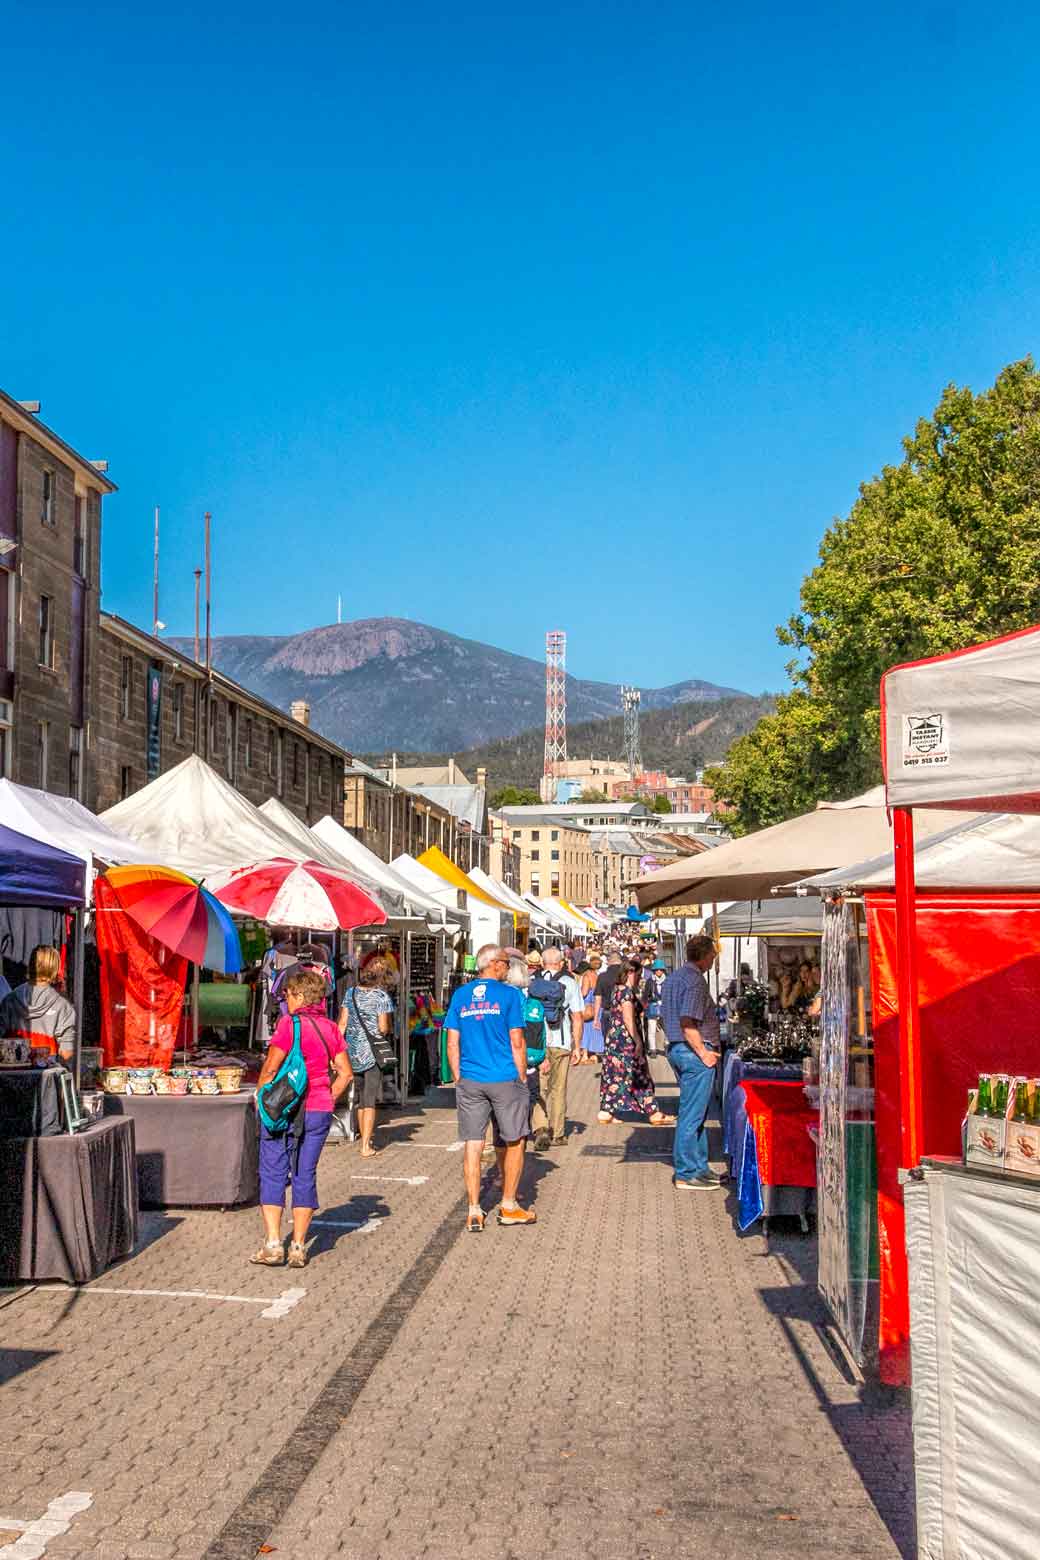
x=28, y=422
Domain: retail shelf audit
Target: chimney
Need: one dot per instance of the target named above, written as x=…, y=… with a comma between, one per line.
x=300, y=711
x=482, y=778
x=451, y=771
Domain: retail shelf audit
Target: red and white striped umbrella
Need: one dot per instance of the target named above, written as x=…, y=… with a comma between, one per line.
x=300, y=893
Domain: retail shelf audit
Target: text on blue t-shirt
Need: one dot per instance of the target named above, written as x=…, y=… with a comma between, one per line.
x=483, y=1012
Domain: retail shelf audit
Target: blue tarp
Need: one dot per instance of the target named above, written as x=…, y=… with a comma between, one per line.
x=32, y=873
x=634, y=915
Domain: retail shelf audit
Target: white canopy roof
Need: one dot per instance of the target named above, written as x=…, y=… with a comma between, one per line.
x=999, y=852
x=437, y=888
x=563, y=918
x=555, y=920
x=963, y=730
x=751, y=867
x=358, y=856
x=192, y=819
x=61, y=821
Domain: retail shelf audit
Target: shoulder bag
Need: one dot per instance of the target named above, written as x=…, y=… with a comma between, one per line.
x=382, y=1046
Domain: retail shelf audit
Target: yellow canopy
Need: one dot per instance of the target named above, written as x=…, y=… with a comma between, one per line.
x=438, y=862
x=591, y=924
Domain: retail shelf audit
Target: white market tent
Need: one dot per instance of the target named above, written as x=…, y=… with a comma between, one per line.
x=995, y=851
x=565, y=919
x=553, y=918
x=509, y=897
x=445, y=894
x=962, y=730
x=192, y=819
x=359, y=858
x=66, y=824
x=751, y=867
x=317, y=849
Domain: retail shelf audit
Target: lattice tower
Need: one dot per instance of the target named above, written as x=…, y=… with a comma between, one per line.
x=630, y=705
x=555, y=700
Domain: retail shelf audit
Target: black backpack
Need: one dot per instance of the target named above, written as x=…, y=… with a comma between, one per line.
x=552, y=994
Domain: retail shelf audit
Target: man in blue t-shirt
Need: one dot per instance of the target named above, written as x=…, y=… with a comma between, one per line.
x=488, y=1058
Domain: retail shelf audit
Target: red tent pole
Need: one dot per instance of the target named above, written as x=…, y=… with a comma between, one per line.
x=909, y=1013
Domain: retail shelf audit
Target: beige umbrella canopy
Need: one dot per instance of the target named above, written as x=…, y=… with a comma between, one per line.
x=750, y=868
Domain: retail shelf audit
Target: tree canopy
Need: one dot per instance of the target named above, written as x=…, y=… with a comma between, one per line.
x=937, y=553
x=513, y=796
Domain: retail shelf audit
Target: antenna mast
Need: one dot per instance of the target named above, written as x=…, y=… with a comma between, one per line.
x=630, y=705
x=207, y=517
x=555, y=702
x=155, y=578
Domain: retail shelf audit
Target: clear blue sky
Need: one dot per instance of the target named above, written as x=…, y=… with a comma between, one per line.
x=509, y=317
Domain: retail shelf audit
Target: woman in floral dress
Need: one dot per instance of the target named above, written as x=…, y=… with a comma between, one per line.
x=625, y=1083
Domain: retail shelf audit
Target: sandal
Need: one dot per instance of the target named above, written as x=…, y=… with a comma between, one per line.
x=604, y=1119
x=659, y=1119
x=297, y=1254
x=370, y=1152
x=271, y=1254
x=474, y=1223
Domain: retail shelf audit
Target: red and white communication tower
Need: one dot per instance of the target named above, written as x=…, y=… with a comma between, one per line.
x=555, y=701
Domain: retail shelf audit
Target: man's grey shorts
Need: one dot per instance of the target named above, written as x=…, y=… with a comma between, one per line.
x=509, y=1104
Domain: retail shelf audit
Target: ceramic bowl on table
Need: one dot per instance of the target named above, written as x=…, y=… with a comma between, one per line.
x=113, y=1080
x=229, y=1079
x=178, y=1081
x=204, y=1081
x=140, y=1080
x=161, y=1083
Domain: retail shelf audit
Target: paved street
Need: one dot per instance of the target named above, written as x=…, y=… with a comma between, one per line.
x=631, y=1378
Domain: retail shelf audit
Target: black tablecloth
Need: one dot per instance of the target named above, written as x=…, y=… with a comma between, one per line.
x=193, y=1150
x=30, y=1102
x=68, y=1205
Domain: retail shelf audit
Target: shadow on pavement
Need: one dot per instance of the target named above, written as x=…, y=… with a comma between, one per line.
x=346, y=1219
x=13, y=1362
x=876, y=1430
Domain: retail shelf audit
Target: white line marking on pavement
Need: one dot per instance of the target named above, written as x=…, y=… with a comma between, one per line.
x=275, y=1308
x=406, y=1180
x=366, y=1226
x=54, y=1523
x=445, y=1148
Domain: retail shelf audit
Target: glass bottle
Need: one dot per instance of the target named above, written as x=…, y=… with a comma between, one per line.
x=984, y=1098
x=1021, y=1101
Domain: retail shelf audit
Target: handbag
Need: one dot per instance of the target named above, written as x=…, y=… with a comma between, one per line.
x=382, y=1047
x=279, y=1100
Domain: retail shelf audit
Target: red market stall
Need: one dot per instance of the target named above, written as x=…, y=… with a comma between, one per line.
x=957, y=992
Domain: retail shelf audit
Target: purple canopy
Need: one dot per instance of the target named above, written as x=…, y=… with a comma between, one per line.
x=32, y=873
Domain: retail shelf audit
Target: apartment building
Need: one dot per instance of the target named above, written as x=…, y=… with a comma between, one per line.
x=154, y=707
x=555, y=859
x=50, y=566
x=389, y=818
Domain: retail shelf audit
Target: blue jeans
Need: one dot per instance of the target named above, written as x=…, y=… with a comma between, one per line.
x=691, y=1138
x=293, y=1157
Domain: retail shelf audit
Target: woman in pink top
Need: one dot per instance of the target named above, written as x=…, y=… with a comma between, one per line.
x=298, y=1154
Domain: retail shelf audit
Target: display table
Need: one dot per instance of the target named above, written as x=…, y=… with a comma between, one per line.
x=735, y=1069
x=68, y=1204
x=30, y=1102
x=972, y=1238
x=193, y=1150
x=772, y=1157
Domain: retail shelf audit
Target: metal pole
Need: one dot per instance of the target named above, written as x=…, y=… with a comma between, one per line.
x=406, y=981
x=198, y=585
x=207, y=517
x=906, y=987
x=155, y=578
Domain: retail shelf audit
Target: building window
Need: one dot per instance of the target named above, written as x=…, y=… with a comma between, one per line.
x=295, y=765
x=535, y=855
x=307, y=777
x=76, y=762
x=281, y=763
x=126, y=782
x=248, y=754
x=555, y=883
x=231, y=740
x=272, y=752
x=46, y=631
x=79, y=537
x=516, y=834
x=43, y=738
x=47, y=504
x=126, y=685
x=555, y=834
x=555, y=855
x=321, y=790
x=534, y=887
x=211, y=736
x=178, y=712
x=535, y=834
x=6, y=738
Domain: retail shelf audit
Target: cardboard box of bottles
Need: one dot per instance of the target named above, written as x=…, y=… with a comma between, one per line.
x=984, y=1138
x=1022, y=1143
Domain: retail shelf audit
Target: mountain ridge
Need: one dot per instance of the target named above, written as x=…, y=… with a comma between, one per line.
x=392, y=682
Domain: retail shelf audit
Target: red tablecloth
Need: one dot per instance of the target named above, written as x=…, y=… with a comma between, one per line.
x=780, y=1117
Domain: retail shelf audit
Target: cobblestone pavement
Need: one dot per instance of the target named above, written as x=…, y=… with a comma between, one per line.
x=630, y=1378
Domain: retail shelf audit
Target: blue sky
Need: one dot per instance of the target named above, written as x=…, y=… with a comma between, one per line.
x=505, y=318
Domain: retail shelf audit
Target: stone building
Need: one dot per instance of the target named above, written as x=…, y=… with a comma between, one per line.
x=389, y=819
x=555, y=860
x=50, y=532
x=154, y=707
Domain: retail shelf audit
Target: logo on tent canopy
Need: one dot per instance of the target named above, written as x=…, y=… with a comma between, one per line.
x=925, y=741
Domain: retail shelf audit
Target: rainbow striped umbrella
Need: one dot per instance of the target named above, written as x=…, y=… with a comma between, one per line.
x=178, y=913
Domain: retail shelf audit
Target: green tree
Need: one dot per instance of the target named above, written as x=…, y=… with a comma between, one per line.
x=512, y=796
x=660, y=804
x=593, y=796
x=937, y=553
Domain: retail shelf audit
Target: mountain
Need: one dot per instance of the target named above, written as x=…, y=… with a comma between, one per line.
x=680, y=740
x=388, y=682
